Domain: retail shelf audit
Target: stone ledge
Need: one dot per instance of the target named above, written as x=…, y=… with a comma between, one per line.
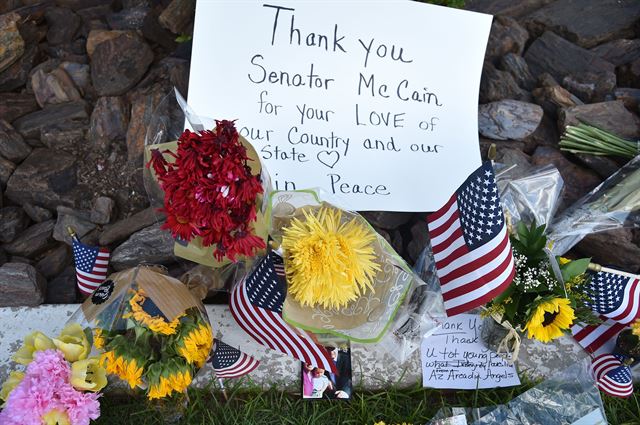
x=373, y=368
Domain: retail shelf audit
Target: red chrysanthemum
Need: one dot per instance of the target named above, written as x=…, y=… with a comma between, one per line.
x=210, y=191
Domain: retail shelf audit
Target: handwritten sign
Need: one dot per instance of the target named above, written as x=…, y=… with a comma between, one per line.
x=375, y=102
x=454, y=357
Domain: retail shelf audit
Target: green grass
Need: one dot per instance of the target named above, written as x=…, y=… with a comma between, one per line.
x=414, y=405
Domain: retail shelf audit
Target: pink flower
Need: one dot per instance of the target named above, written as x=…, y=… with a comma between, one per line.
x=46, y=387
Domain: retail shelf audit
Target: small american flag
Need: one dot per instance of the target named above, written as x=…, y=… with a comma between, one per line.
x=598, y=339
x=256, y=304
x=91, y=266
x=615, y=296
x=612, y=376
x=229, y=362
x=471, y=244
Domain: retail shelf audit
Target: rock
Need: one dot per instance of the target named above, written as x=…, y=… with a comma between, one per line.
x=602, y=165
x=65, y=136
x=102, y=210
x=96, y=37
x=553, y=98
x=62, y=289
x=510, y=156
x=3, y=257
x=591, y=86
x=154, y=32
x=31, y=32
x=12, y=145
x=83, y=4
x=33, y=241
x=497, y=85
x=505, y=7
x=45, y=178
x=21, y=285
x=15, y=105
x=6, y=170
x=119, y=63
x=629, y=74
x=109, y=121
x=9, y=5
x=13, y=221
x=586, y=22
x=150, y=245
x=36, y=213
x=80, y=74
x=578, y=181
x=16, y=75
x=545, y=135
x=419, y=239
x=559, y=57
x=387, y=220
x=79, y=221
x=619, y=52
x=614, y=247
x=129, y=19
x=54, y=261
x=610, y=116
x=54, y=87
x=30, y=125
x=122, y=229
x=508, y=119
x=506, y=36
x=178, y=16
x=517, y=67
x=62, y=25
x=10, y=40
x=629, y=96
x=143, y=106
x=171, y=72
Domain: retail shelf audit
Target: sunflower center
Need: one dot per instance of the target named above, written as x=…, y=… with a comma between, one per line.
x=549, y=317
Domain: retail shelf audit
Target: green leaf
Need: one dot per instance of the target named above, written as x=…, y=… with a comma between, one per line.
x=574, y=268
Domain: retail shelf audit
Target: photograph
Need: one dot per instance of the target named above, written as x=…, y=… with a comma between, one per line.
x=318, y=383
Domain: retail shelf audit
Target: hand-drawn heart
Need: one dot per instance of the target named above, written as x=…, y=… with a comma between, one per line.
x=328, y=158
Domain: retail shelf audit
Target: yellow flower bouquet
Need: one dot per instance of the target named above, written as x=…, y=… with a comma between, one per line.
x=342, y=277
x=547, y=294
x=153, y=334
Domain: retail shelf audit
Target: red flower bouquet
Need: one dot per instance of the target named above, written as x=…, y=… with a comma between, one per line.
x=210, y=191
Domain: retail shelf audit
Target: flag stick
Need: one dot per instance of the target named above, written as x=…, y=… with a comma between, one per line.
x=224, y=390
x=598, y=268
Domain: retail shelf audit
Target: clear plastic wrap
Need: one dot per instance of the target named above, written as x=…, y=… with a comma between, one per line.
x=149, y=328
x=366, y=318
x=613, y=204
x=530, y=195
x=166, y=126
x=569, y=397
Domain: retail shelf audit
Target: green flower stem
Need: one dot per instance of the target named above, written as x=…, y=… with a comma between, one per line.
x=591, y=140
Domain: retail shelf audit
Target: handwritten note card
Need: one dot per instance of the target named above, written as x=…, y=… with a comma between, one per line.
x=375, y=102
x=454, y=357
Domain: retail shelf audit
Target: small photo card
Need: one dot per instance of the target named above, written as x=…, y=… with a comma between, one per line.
x=324, y=384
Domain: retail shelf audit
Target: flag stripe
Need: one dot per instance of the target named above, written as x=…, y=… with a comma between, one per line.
x=612, y=376
x=628, y=310
x=244, y=366
x=478, y=267
x=270, y=330
x=445, y=211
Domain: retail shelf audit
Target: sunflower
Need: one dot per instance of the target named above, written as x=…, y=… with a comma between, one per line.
x=550, y=319
x=329, y=263
x=154, y=323
x=127, y=369
x=168, y=376
x=195, y=345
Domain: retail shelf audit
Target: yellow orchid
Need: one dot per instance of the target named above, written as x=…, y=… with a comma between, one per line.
x=73, y=343
x=88, y=375
x=55, y=417
x=35, y=341
x=12, y=381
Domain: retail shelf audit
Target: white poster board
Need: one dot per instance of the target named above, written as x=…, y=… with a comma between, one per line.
x=455, y=358
x=375, y=102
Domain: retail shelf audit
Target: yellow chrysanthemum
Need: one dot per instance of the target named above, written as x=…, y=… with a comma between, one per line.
x=98, y=339
x=128, y=370
x=195, y=346
x=328, y=263
x=154, y=323
x=550, y=320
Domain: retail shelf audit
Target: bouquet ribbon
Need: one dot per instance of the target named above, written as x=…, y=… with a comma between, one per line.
x=511, y=338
